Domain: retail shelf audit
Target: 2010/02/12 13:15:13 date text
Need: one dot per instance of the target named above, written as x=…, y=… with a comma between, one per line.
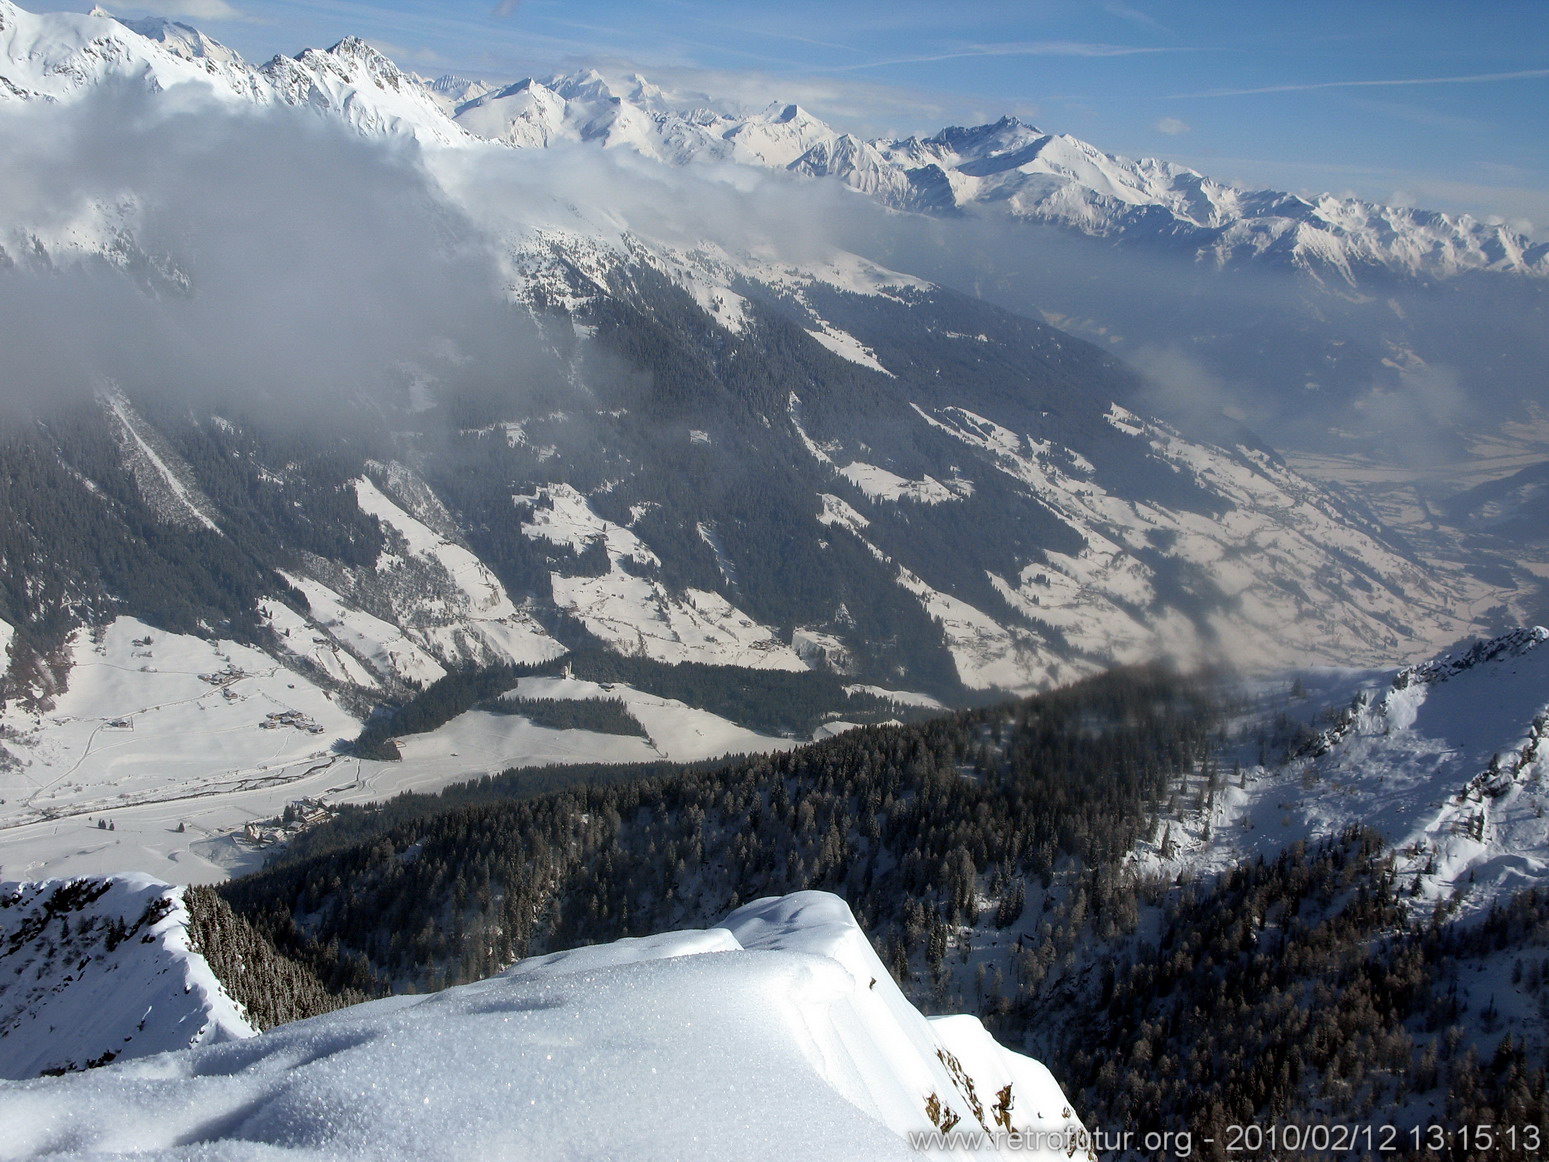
x=1341, y=1138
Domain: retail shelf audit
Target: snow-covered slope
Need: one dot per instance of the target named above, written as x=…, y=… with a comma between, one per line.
x=638, y=615
x=778, y=1034
x=152, y=717
x=92, y=970
x=180, y=743
x=1447, y=760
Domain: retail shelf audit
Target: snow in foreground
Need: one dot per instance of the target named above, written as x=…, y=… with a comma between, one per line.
x=778, y=1034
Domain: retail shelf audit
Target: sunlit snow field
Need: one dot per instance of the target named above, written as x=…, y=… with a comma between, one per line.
x=158, y=732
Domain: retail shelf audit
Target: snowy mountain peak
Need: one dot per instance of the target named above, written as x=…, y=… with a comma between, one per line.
x=354, y=48
x=452, y=93
x=182, y=39
x=455, y=86
x=526, y=115
x=585, y=85
x=355, y=59
x=643, y=92
x=977, y=141
x=364, y=88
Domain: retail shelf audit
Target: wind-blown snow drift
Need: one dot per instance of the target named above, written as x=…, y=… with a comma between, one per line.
x=777, y=1034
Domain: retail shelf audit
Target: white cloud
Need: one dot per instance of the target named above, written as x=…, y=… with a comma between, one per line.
x=1134, y=15
x=1471, y=79
x=1072, y=48
x=312, y=263
x=193, y=9
x=400, y=54
x=1172, y=126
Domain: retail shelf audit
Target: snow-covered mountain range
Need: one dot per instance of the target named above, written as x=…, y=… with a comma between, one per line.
x=1006, y=166
x=777, y=1033
x=1013, y=168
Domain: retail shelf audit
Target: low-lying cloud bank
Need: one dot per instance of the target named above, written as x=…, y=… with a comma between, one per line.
x=177, y=244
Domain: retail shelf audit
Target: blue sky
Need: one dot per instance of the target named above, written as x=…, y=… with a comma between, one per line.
x=1443, y=105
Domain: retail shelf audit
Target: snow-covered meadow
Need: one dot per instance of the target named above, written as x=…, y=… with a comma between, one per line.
x=164, y=747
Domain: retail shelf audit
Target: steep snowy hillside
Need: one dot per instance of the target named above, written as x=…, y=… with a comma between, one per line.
x=1445, y=760
x=96, y=970
x=777, y=1034
x=906, y=419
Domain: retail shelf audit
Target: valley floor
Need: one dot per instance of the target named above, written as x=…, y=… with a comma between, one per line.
x=175, y=745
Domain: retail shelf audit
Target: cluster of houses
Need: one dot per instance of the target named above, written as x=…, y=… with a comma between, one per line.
x=297, y=817
x=293, y=718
